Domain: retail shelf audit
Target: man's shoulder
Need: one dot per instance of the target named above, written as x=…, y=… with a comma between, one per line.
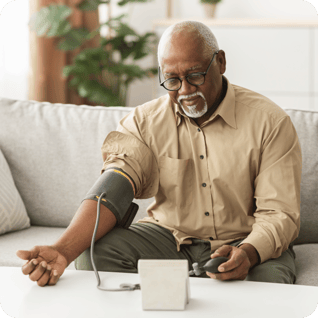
x=158, y=105
x=251, y=102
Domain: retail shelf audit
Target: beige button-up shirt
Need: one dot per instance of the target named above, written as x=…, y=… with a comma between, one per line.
x=237, y=176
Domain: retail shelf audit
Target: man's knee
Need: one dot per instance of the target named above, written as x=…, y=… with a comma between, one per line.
x=271, y=274
x=120, y=249
x=281, y=270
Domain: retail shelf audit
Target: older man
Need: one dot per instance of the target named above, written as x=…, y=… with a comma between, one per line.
x=222, y=162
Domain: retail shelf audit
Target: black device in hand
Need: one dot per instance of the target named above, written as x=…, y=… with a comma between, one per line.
x=211, y=266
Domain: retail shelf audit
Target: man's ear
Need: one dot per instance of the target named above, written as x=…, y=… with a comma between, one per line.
x=221, y=60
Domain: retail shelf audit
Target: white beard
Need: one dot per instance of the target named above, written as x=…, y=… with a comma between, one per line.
x=193, y=112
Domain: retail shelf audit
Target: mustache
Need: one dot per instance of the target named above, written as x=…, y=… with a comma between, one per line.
x=181, y=97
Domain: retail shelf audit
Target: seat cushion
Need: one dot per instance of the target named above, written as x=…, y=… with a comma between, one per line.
x=25, y=240
x=306, y=264
x=306, y=124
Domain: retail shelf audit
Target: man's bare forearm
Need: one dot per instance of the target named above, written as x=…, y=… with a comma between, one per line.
x=78, y=235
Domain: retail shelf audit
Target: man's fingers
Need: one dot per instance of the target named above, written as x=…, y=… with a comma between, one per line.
x=236, y=267
x=54, y=278
x=241, y=277
x=41, y=273
x=23, y=254
x=29, y=267
x=28, y=255
x=45, y=277
x=42, y=264
x=236, y=274
x=234, y=262
x=38, y=272
x=222, y=251
x=236, y=257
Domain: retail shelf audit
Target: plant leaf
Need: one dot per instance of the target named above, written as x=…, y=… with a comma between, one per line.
x=67, y=70
x=124, y=29
x=123, y=2
x=98, y=93
x=74, y=82
x=142, y=47
x=90, y=5
x=73, y=39
x=85, y=88
x=39, y=21
x=80, y=68
x=57, y=18
x=59, y=29
x=112, y=20
x=210, y=1
x=51, y=20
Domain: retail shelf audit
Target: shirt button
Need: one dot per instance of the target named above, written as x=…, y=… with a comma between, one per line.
x=201, y=157
x=199, y=129
x=207, y=213
x=204, y=185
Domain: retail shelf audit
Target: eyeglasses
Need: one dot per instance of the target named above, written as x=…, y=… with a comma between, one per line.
x=196, y=79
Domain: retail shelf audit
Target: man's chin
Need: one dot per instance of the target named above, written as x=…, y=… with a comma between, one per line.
x=195, y=112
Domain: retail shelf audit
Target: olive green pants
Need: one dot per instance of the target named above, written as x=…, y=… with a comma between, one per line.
x=120, y=250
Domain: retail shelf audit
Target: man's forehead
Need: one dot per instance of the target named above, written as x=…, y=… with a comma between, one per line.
x=195, y=67
x=182, y=52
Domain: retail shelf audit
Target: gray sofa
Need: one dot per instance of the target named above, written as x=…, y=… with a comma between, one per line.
x=53, y=152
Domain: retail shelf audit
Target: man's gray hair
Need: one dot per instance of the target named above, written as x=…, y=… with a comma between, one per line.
x=210, y=44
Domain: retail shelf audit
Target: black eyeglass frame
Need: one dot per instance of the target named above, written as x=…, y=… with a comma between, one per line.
x=186, y=77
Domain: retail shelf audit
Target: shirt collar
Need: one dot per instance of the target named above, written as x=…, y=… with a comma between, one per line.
x=226, y=109
x=178, y=112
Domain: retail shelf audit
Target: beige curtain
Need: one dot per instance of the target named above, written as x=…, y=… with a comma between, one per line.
x=46, y=82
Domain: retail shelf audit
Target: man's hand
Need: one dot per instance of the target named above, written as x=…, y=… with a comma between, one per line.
x=45, y=264
x=240, y=261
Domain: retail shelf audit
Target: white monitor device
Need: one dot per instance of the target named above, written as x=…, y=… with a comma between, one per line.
x=164, y=284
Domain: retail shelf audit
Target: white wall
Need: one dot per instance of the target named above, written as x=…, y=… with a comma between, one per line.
x=250, y=9
x=142, y=15
x=14, y=48
x=14, y=52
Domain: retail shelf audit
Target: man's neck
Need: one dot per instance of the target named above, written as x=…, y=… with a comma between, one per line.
x=211, y=110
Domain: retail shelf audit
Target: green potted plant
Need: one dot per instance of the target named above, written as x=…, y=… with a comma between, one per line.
x=101, y=74
x=210, y=7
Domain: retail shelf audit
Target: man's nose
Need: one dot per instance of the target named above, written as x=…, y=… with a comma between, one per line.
x=186, y=88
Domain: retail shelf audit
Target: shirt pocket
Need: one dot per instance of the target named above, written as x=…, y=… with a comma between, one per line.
x=176, y=180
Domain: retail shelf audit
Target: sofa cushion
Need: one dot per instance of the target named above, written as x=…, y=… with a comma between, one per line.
x=306, y=124
x=13, y=215
x=54, y=151
x=25, y=240
x=306, y=264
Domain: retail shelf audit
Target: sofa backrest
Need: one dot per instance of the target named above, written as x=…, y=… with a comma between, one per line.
x=54, y=153
x=306, y=124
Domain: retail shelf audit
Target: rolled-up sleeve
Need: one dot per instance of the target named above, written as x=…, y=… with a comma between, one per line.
x=277, y=193
x=126, y=149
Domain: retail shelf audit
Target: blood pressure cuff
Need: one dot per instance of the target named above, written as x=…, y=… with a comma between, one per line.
x=119, y=195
